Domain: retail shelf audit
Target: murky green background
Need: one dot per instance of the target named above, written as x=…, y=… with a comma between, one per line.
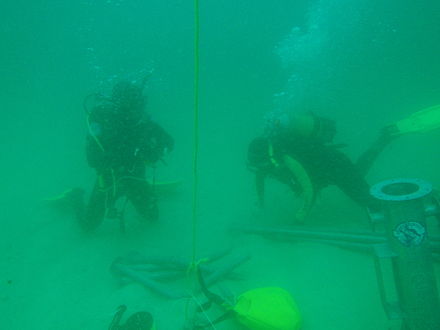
x=364, y=63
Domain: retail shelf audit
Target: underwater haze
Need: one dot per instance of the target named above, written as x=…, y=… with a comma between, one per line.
x=364, y=64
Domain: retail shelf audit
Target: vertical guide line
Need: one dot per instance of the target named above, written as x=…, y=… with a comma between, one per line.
x=196, y=128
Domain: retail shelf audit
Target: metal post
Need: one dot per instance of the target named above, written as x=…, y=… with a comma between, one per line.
x=404, y=204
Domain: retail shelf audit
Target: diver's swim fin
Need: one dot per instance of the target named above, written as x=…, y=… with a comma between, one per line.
x=69, y=201
x=422, y=121
x=65, y=195
x=166, y=187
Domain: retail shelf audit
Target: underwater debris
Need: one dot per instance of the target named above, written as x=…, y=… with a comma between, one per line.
x=157, y=274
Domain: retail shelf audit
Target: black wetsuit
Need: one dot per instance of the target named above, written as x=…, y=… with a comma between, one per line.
x=119, y=150
x=324, y=163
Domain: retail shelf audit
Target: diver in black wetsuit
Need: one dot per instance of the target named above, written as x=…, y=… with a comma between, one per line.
x=298, y=151
x=122, y=141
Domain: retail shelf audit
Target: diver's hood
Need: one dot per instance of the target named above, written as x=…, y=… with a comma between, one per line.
x=129, y=101
x=128, y=95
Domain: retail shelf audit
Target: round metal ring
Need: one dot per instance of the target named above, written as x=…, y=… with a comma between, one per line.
x=401, y=189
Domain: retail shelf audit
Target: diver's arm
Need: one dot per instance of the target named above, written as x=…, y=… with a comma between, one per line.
x=165, y=141
x=155, y=143
x=306, y=186
x=259, y=184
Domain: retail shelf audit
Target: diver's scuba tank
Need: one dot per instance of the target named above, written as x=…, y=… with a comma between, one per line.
x=309, y=125
x=304, y=125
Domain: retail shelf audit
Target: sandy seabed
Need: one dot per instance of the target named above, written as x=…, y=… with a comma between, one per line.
x=53, y=277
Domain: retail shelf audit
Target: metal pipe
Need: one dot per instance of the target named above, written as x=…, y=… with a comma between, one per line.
x=314, y=234
x=403, y=203
x=294, y=234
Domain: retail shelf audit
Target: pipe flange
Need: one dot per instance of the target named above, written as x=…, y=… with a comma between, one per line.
x=398, y=190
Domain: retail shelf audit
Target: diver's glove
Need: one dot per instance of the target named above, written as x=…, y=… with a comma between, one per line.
x=168, y=143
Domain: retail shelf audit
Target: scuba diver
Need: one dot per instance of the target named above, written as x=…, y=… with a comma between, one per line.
x=299, y=152
x=121, y=142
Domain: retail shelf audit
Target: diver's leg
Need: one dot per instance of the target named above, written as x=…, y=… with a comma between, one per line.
x=355, y=186
x=141, y=195
x=95, y=210
x=69, y=202
x=77, y=200
x=344, y=174
x=367, y=159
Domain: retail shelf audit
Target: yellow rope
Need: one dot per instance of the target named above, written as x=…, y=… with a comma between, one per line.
x=196, y=129
x=192, y=267
x=93, y=135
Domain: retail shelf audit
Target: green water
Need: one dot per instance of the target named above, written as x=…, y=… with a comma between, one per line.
x=363, y=63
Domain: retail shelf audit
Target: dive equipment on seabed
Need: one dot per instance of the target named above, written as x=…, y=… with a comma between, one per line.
x=264, y=308
x=163, y=275
x=404, y=206
x=137, y=321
